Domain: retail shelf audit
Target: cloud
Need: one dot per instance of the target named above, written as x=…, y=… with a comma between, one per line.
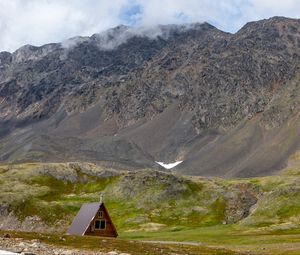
x=114, y=37
x=43, y=21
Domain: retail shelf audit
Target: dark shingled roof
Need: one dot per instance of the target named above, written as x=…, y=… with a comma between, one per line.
x=83, y=219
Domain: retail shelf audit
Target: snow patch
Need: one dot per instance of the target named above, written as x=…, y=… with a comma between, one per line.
x=169, y=165
x=7, y=253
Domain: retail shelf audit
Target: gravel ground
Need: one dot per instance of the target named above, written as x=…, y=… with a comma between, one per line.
x=35, y=247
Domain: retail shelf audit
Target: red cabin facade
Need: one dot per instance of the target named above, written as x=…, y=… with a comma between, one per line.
x=93, y=220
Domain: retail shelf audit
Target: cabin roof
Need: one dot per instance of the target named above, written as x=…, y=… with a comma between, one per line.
x=83, y=219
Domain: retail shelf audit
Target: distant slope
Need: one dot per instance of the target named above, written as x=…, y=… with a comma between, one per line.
x=225, y=104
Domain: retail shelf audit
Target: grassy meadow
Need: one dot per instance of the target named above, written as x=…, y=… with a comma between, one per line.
x=247, y=216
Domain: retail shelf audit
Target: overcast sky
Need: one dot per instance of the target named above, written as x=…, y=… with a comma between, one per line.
x=42, y=21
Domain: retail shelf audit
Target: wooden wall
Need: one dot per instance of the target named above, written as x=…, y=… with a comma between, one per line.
x=109, y=230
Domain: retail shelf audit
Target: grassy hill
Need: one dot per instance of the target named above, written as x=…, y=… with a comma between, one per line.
x=153, y=205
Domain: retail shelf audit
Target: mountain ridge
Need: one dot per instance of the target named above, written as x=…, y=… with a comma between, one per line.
x=213, y=99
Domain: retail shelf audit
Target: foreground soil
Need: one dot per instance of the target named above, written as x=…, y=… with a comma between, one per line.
x=46, y=244
x=40, y=244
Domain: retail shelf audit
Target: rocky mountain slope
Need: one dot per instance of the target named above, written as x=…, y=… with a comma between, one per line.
x=225, y=104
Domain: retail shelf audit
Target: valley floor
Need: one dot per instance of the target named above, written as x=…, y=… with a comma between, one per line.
x=154, y=212
x=42, y=244
x=250, y=241
x=214, y=241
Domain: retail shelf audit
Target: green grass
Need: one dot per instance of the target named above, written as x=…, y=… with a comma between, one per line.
x=232, y=238
x=120, y=245
x=215, y=240
x=181, y=209
x=199, y=203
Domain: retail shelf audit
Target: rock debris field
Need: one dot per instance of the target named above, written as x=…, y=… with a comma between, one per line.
x=12, y=246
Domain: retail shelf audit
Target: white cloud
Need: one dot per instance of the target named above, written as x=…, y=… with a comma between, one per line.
x=42, y=21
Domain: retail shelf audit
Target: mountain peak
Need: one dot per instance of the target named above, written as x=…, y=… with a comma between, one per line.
x=274, y=22
x=135, y=95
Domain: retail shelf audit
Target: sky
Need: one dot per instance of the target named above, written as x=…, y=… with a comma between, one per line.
x=38, y=22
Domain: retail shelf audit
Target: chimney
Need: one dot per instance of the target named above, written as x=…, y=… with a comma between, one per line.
x=101, y=198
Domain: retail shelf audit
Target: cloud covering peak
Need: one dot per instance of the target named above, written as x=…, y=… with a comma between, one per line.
x=42, y=21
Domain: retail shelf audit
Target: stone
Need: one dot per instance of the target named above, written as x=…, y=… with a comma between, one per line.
x=112, y=253
x=6, y=235
x=35, y=245
x=67, y=252
x=22, y=244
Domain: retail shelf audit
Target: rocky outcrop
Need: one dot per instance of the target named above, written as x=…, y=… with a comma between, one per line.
x=240, y=198
x=150, y=186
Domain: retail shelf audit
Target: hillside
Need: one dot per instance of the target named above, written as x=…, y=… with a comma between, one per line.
x=225, y=104
x=239, y=215
x=46, y=197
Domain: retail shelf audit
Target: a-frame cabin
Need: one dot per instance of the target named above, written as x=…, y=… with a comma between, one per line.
x=93, y=220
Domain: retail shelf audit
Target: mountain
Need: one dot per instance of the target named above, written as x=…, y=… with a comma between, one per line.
x=225, y=104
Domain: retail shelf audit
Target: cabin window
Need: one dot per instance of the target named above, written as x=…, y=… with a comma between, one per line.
x=100, y=224
x=101, y=214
